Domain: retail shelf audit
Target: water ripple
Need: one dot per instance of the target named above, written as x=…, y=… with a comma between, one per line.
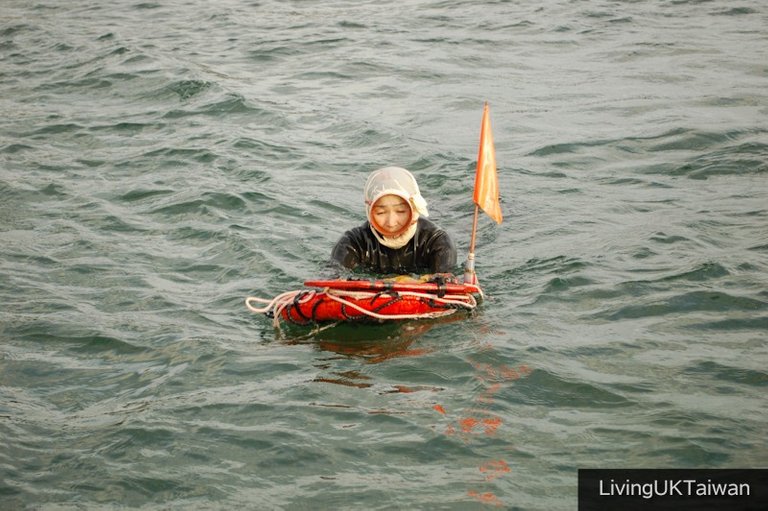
x=159, y=162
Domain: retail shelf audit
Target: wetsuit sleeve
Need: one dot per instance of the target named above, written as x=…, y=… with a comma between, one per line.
x=345, y=253
x=442, y=252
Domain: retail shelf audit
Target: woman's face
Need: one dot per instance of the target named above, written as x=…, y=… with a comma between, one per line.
x=391, y=215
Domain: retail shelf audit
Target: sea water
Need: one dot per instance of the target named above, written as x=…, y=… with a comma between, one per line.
x=161, y=161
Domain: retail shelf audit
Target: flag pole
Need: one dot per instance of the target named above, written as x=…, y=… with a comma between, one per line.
x=469, y=267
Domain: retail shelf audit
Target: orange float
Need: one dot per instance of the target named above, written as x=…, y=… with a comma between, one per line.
x=367, y=300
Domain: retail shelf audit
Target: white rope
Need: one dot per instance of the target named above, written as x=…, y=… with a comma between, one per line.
x=278, y=304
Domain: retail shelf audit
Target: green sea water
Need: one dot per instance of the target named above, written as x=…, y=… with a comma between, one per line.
x=161, y=161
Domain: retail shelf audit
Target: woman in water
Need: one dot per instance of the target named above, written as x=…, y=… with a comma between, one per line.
x=397, y=238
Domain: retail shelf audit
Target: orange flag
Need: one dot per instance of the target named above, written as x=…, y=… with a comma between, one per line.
x=486, y=182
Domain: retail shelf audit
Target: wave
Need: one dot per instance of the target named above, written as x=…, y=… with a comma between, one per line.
x=686, y=303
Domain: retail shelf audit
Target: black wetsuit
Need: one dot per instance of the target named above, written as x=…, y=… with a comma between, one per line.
x=430, y=251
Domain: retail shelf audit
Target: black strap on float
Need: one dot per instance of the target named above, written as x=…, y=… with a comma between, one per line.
x=389, y=291
x=395, y=298
x=441, y=287
x=314, y=310
x=296, y=306
x=344, y=311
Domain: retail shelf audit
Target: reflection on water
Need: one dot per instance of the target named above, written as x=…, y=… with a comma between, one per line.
x=371, y=343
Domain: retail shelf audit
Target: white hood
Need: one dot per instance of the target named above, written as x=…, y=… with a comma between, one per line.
x=400, y=182
x=395, y=181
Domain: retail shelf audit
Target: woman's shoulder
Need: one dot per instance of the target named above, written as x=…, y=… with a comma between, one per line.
x=361, y=229
x=433, y=233
x=358, y=232
x=426, y=225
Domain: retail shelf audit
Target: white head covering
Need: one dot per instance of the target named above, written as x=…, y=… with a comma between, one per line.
x=400, y=182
